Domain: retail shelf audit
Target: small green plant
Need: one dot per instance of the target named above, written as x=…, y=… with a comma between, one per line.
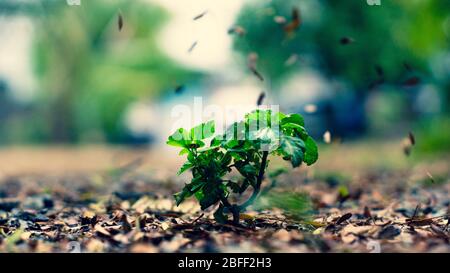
x=245, y=147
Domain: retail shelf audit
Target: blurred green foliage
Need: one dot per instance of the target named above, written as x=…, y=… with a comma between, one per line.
x=295, y=205
x=433, y=136
x=390, y=35
x=90, y=71
x=394, y=42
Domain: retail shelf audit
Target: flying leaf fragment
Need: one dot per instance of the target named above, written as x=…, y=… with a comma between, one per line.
x=295, y=21
x=411, y=81
x=257, y=74
x=291, y=60
x=252, y=60
x=412, y=138
x=261, y=97
x=120, y=21
x=200, y=15
x=408, y=143
x=431, y=177
x=310, y=108
x=179, y=89
x=346, y=40
x=327, y=137
x=279, y=19
x=237, y=30
x=192, y=47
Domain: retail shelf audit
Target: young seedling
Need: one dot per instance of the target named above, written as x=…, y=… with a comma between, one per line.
x=245, y=147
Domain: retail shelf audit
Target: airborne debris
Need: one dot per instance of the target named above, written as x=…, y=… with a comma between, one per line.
x=294, y=23
x=200, y=15
x=237, y=30
x=411, y=81
x=431, y=177
x=179, y=89
x=327, y=137
x=291, y=60
x=310, y=108
x=408, y=143
x=192, y=47
x=346, y=40
x=261, y=97
x=252, y=60
x=279, y=19
x=120, y=21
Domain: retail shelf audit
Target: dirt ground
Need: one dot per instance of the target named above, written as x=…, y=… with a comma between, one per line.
x=366, y=197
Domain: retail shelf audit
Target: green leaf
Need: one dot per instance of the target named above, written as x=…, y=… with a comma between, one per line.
x=212, y=192
x=246, y=170
x=186, y=166
x=202, y=131
x=293, y=118
x=181, y=196
x=184, y=151
x=312, y=153
x=294, y=130
x=179, y=139
x=291, y=149
x=237, y=155
x=188, y=190
x=233, y=186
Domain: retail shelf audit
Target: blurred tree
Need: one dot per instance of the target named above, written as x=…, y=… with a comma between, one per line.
x=90, y=70
x=346, y=40
x=361, y=46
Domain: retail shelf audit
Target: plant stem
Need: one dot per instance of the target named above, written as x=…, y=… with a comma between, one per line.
x=236, y=209
x=257, y=187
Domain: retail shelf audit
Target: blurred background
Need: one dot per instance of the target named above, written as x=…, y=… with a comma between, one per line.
x=106, y=74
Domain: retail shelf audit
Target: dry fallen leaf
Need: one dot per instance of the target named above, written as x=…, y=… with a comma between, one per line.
x=282, y=235
x=367, y=213
x=101, y=230
x=438, y=231
x=165, y=226
x=343, y=218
